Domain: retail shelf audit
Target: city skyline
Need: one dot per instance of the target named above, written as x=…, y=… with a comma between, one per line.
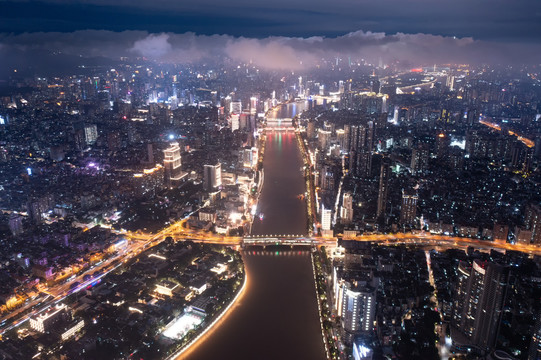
x=278, y=36
x=279, y=180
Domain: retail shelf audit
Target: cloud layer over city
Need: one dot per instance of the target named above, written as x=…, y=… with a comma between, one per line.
x=271, y=52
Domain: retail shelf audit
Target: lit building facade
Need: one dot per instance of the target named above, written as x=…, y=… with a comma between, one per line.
x=479, y=300
x=346, y=210
x=212, y=177
x=326, y=218
x=172, y=164
x=91, y=134
x=408, y=211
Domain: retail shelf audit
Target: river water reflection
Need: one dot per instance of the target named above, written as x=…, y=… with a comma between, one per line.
x=277, y=316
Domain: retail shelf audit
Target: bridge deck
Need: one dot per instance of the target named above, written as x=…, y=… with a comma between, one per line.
x=262, y=240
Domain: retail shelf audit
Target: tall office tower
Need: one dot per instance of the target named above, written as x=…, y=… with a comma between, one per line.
x=91, y=134
x=326, y=216
x=383, y=186
x=212, y=178
x=535, y=343
x=346, y=210
x=408, y=211
x=172, y=164
x=533, y=222
x=479, y=300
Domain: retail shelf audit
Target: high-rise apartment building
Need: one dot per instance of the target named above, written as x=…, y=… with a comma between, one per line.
x=383, y=190
x=326, y=218
x=408, y=211
x=533, y=222
x=479, y=298
x=235, y=107
x=356, y=305
x=346, y=210
x=419, y=159
x=91, y=134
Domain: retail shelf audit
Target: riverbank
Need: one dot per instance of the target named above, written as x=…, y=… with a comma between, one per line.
x=207, y=331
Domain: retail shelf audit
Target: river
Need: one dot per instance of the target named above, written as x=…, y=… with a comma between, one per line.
x=277, y=316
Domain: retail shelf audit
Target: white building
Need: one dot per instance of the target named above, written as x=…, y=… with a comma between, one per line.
x=57, y=320
x=172, y=164
x=91, y=134
x=212, y=178
x=235, y=107
x=356, y=306
x=346, y=210
x=326, y=218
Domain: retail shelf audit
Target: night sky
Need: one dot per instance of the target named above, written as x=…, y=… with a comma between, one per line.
x=303, y=31
x=515, y=20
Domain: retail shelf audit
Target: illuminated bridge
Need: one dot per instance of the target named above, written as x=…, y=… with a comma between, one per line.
x=266, y=240
x=279, y=123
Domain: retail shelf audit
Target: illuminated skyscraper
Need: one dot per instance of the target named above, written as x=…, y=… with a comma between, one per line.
x=172, y=164
x=212, y=178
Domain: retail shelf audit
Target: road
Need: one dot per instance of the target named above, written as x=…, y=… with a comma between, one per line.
x=139, y=241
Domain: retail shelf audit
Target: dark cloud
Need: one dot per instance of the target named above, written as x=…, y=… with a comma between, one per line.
x=512, y=21
x=271, y=52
